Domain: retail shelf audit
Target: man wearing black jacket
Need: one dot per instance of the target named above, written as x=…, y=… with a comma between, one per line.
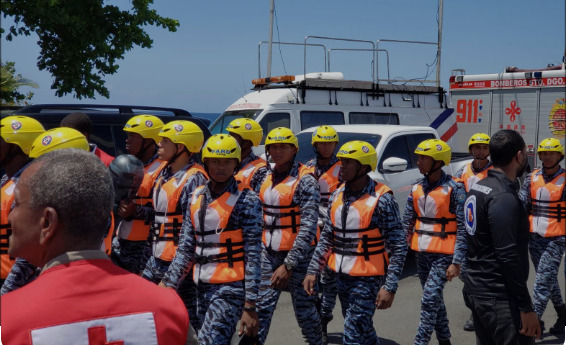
x=497, y=227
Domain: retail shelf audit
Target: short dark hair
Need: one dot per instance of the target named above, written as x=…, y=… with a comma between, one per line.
x=79, y=121
x=79, y=186
x=504, y=145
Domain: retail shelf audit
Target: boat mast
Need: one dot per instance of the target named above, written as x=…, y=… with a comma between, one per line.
x=439, y=43
x=269, y=49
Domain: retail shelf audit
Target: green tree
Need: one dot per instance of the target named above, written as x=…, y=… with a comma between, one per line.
x=81, y=40
x=10, y=82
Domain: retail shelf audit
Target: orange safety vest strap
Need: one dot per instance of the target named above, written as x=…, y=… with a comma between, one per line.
x=538, y=209
x=349, y=246
x=228, y=257
x=292, y=213
x=443, y=221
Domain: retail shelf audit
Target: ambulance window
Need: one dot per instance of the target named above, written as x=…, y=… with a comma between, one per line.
x=398, y=148
x=274, y=120
x=318, y=118
x=374, y=118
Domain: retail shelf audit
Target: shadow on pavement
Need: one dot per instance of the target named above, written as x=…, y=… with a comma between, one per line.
x=550, y=339
x=336, y=338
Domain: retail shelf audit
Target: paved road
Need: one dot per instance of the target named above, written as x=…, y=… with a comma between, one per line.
x=398, y=325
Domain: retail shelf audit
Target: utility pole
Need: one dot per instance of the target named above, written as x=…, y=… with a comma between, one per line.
x=269, y=48
x=439, y=43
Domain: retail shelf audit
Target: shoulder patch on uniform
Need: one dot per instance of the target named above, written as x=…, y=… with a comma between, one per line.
x=480, y=188
x=470, y=214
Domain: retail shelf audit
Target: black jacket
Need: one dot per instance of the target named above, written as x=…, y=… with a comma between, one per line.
x=497, y=233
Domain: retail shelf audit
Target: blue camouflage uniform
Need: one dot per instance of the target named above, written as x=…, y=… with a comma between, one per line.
x=432, y=267
x=327, y=279
x=358, y=294
x=156, y=268
x=220, y=306
x=307, y=197
x=132, y=255
x=546, y=255
x=258, y=176
x=22, y=272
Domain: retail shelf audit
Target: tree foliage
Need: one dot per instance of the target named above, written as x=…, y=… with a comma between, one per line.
x=81, y=40
x=10, y=82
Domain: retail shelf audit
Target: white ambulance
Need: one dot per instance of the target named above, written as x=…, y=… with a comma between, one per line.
x=532, y=102
x=328, y=98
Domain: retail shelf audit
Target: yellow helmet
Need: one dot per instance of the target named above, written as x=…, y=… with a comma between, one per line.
x=551, y=145
x=478, y=138
x=248, y=129
x=362, y=151
x=324, y=134
x=57, y=139
x=148, y=126
x=221, y=146
x=435, y=148
x=184, y=132
x=21, y=130
x=281, y=135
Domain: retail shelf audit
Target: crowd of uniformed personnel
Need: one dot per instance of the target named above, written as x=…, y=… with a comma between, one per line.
x=233, y=232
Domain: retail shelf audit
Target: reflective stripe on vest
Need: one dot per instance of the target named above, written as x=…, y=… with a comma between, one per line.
x=470, y=178
x=137, y=229
x=166, y=227
x=281, y=216
x=548, y=209
x=7, y=199
x=359, y=248
x=244, y=175
x=219, y=252
x=435, y=228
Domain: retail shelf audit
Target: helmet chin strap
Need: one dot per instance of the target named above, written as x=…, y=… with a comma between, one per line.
x=358, y=176
x=433, y=169
x=177, y=155
x=555, y=164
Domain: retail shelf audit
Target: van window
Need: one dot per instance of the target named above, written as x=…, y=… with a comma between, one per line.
x=274, y=120
x=220, y=124
x=102, y=135
x=397, y=147
x=374, y=118
x=318, y=118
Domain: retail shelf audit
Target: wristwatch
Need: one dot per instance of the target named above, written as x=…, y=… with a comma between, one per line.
x=288, y=266
x=250, y=309
x=527, y=309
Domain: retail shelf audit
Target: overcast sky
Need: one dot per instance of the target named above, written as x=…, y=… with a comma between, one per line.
x=212, y=58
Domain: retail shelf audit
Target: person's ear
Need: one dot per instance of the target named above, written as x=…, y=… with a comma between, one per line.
x=49, y=225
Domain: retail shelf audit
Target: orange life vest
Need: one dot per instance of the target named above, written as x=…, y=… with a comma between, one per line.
x=435, y=228
x=244, y=175
x=281, y=216
x=328, y=182
x=138, y=229
x=219, y=252
x=470, y=178
x=359, y=248
x=107, y=243
x=548, y=209
x=168, y=214
x=7, y=199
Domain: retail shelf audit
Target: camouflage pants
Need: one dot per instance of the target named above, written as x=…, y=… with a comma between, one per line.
x=130, y=255
x=357, y=297
x=22, y=273
x=328, y=292
x=546, y=254
x=220, y=307
x=303, y=304
x=154, y=271
x=431, y=269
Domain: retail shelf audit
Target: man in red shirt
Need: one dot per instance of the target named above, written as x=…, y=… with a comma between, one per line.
x=58, y=223
x=82, y=123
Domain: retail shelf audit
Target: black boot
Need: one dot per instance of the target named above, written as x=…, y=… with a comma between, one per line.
x=324, y=323
x=444, y=342
x=558, y=327
x=469, y=325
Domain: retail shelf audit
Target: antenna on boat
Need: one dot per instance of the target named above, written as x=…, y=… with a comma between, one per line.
x=270, y=45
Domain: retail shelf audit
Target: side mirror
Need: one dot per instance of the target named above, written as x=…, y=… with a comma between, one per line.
x=394, y=164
